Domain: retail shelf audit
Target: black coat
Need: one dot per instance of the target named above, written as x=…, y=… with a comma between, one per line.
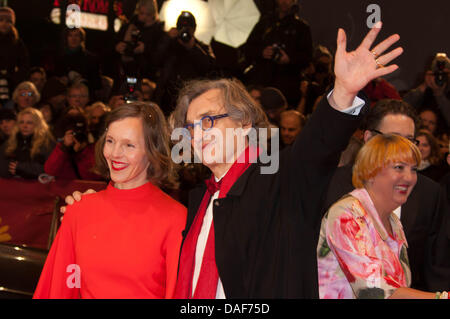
x=293, y=35
x=177, y=65
x=14, y=59
x=82, y=61
x=27, y=167
x=421, y=217
x=265, y=239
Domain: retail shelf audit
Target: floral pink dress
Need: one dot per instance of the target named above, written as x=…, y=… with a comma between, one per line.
x=357, y=258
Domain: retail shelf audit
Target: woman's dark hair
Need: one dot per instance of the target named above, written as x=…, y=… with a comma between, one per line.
x=161, y=170
x=435, y=156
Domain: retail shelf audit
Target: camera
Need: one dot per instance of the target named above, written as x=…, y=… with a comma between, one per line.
x=440, y=62
x=185, y=25
x=277, y=51
x=80, y=134
x=78, y=124
x=130, y=96
x=136, y=36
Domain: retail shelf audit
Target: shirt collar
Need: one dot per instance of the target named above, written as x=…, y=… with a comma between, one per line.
x=363, y=196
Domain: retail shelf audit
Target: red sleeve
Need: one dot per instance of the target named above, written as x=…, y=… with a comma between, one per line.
x=60, y=277
x=173, y=245
x=389, y=90
x=58, y=164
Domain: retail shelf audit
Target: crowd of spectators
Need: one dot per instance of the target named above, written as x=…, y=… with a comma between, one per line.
x=50, y=119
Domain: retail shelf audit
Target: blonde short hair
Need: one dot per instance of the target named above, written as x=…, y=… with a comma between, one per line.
x=380, y=151
x=29, y=86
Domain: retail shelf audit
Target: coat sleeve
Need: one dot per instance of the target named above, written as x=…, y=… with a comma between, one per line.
x=173, y=246
x=61, y=277
x=315, y=155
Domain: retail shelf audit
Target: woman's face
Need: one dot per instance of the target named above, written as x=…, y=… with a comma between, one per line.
x=393, y=184
x=125, y=153
x=424, y=146
x=26, y=125
x=25, y=99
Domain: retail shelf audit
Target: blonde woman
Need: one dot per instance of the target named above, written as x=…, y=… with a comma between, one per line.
x=25, y=95
x=28, y=147
x=362, y=250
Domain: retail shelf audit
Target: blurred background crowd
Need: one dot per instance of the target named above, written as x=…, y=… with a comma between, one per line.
x=53, y=102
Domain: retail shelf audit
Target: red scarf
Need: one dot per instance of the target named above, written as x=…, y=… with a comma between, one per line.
x=208, y=279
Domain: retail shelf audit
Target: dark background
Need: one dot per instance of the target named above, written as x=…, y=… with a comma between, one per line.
x=423, y=28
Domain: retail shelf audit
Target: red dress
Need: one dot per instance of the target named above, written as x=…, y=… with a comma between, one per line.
x=116, y=244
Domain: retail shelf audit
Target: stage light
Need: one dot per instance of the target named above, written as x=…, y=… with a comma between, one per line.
x=170, y=10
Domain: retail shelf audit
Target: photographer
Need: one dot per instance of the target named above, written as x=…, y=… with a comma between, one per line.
x=76, y=62
x=278, y=49
x=181, y=57
x=136, y=42
x=73, y=157
x=435, y=89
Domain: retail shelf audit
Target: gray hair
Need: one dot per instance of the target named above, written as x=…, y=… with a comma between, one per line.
x=238, y=103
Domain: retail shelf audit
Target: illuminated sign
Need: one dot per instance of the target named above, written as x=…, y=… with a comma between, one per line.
x=89, y=14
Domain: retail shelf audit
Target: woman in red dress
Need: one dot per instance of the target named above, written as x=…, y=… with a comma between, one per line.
x=122, y=242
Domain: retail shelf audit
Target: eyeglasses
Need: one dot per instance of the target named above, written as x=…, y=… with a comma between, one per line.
x=26, y=94
x=206, y=123
x=411, y=139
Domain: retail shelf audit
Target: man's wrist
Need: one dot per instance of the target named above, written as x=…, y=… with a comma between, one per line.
x=340, y=99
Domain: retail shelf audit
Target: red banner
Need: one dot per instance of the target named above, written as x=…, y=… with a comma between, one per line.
x=26, y=208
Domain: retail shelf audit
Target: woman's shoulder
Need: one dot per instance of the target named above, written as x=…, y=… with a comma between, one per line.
x=347, y=205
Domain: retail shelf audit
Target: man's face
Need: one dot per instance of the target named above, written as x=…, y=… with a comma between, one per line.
x=6, y=126
x=285, y=5
x=429, y=120
x=5, y=25
x=78, y=97
x=74, y=39
x=256, y=95
x=290, y=128
x=145, y=16
x=399, y=124
x=217, y=147
x=38, y=79
x=424, y=147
